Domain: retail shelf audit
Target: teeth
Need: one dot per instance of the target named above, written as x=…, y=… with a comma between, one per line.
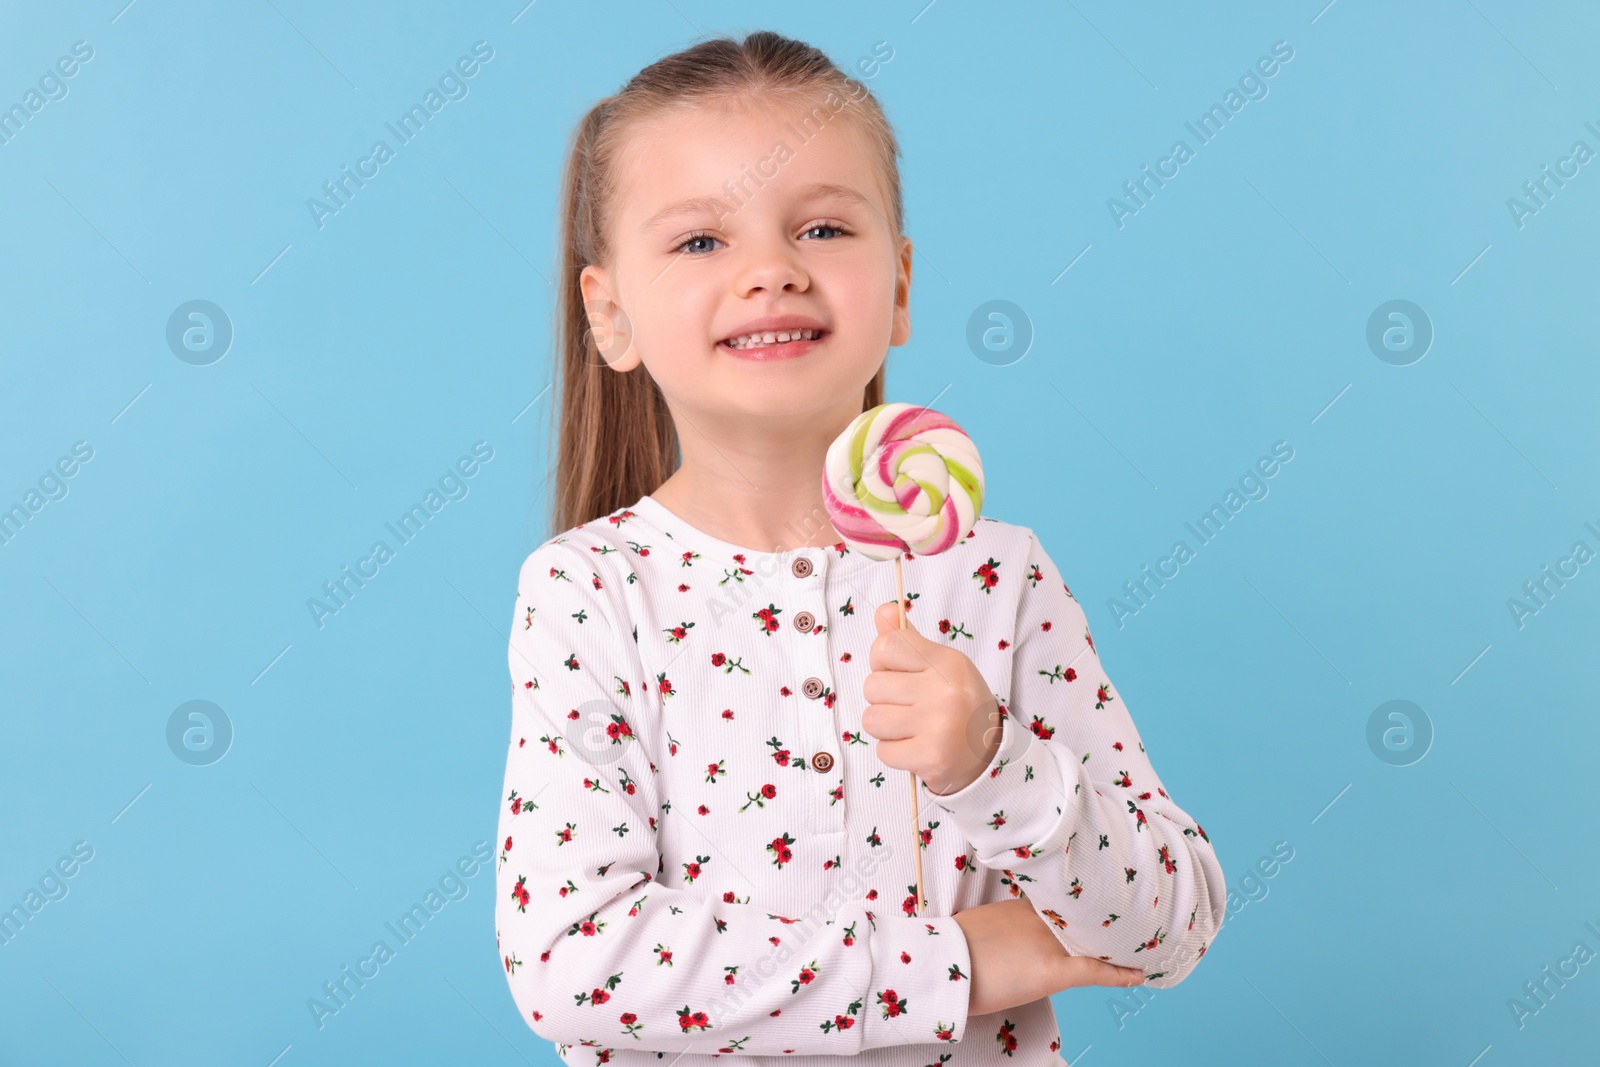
x=754, y=340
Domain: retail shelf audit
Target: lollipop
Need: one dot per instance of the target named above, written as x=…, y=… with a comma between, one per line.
x=902, y=478
x=899, y=479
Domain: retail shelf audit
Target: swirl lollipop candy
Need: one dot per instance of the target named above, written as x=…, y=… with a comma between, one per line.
x=902, y=478
x=899, y=479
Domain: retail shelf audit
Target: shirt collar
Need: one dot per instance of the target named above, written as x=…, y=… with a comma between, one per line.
x=841, y=558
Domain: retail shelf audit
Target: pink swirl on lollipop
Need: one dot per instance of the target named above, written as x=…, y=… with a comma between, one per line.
x=902, y=478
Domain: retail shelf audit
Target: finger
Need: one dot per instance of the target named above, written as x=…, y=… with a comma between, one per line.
x=1132, y=975
x=887, y=616
x=888, y=722
x=1086, y=970
x=901, y=755
x=892, y=687
x=889, y=752
x=897, y=650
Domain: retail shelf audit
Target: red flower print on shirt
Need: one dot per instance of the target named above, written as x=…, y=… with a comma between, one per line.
x=807, y=975
x=842, y=1022
x=693, y=1020
x=779, y=847
x=1153, y=942
x=1007, y=1038
x=768, y=618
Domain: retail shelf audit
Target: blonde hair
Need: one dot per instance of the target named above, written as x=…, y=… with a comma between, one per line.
x=614, y=436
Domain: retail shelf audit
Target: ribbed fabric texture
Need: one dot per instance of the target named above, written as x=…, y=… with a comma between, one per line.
x=701, y=854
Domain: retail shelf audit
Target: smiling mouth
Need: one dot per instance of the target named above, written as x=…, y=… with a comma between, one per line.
x=771, y=341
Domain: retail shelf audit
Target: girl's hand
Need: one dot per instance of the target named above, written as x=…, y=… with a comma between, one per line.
x=929, y=708
x=1017, y=960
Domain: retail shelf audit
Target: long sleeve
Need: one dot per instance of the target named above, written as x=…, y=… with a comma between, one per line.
x=601, y=944
x=1072, y=809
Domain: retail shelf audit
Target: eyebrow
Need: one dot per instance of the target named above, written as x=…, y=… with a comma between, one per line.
x=719, y=205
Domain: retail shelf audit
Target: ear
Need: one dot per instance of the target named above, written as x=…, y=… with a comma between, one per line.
x=900, y=332
x=608, y=322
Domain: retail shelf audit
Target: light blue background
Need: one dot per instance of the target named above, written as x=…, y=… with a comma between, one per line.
x=1228, y=314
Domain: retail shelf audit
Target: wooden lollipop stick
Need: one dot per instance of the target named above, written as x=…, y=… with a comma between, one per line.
x=916, y=797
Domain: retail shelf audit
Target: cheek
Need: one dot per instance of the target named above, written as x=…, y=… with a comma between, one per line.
x=874, y=297
x=673, y=335
x=865, y=305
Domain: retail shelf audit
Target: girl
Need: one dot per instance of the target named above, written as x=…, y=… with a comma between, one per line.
x=707, y=836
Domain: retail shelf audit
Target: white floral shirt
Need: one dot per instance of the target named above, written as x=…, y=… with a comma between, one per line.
x=701, y=855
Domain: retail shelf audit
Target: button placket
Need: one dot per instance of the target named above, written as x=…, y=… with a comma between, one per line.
x=806, y=586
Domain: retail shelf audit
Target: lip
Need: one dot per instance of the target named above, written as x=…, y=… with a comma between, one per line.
x=769, y=353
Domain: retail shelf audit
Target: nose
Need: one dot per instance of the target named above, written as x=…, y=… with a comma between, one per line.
x=771, y=265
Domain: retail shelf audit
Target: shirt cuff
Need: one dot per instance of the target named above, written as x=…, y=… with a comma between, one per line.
x=921, y=983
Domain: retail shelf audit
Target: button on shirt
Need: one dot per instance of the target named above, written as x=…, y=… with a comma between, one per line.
x=701, y=854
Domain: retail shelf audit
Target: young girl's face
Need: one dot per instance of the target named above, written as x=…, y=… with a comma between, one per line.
x=726, y=215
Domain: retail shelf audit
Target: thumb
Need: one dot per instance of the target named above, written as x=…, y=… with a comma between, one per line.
x=887, y=618
x=1087, y=970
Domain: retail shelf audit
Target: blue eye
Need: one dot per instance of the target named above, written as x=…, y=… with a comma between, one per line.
x=693, y=238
